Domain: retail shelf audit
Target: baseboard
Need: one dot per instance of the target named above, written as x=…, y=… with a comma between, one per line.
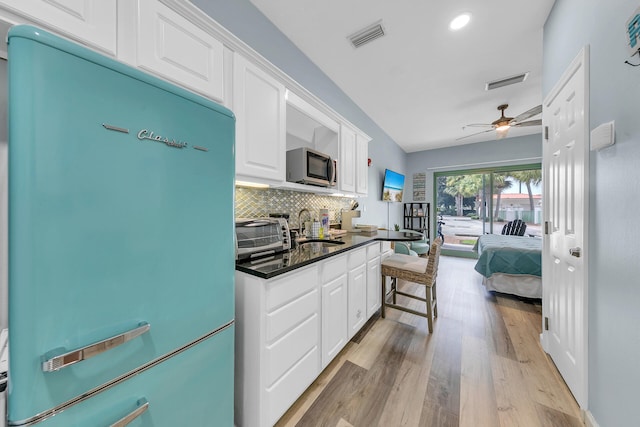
x=589, y=421
x=543, y=342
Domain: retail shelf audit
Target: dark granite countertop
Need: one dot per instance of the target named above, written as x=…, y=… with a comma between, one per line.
x=274, y=265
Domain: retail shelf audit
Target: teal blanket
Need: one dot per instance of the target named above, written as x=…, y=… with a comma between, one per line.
x=508, y=254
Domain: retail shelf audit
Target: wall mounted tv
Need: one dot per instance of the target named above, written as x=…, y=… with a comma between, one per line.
x=392, y=186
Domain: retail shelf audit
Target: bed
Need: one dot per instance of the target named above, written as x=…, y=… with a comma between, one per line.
x=510, y=264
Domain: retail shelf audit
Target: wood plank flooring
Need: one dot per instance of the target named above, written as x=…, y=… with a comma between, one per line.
x=482, y=366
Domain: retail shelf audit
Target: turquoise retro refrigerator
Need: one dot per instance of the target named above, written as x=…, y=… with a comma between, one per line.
x=121, y=257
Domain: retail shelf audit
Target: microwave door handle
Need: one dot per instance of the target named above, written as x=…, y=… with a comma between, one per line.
x=332, y=173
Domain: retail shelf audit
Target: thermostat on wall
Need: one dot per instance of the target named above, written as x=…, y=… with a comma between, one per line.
x=603, y=136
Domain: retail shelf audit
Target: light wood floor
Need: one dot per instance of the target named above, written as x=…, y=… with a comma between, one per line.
x=482, y=366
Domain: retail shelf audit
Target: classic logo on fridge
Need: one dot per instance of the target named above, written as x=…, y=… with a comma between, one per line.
x=145, y=134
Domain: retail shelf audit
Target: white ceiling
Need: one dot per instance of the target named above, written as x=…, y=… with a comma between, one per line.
x=421, y=82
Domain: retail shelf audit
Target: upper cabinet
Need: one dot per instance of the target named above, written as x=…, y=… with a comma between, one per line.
x=259, y=106
x=354, y=153
x=362, y=164
x=92, y=22
x=346, y=162
x=166, y=43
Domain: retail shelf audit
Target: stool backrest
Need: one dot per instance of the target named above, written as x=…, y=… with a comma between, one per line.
x=434, y=258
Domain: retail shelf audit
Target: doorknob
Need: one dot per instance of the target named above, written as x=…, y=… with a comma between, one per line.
x=574, y=252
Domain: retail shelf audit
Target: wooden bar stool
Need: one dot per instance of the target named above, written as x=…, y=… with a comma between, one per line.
x=417, y=270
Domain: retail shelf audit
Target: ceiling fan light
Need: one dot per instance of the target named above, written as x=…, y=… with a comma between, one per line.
x=459, y=21
x=503, y=128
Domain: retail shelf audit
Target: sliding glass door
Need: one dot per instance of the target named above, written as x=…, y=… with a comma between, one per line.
x=470, y=203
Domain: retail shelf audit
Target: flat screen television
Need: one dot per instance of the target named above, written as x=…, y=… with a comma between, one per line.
x=392, y=186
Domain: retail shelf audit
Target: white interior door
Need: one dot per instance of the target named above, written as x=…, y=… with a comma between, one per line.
x=566, y=164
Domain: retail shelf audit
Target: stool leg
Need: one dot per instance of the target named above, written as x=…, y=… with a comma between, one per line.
x=429, y=313
x=435, y=300
x=393, y=288
x=383, y=295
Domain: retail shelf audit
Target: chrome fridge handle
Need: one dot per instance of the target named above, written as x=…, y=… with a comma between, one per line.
x=143, y=405
x=60, y=361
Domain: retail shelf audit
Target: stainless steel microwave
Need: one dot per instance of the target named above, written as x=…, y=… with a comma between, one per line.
x=257, y=237
x=307, y=166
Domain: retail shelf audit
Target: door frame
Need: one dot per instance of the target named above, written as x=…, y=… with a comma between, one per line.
x=579, y=64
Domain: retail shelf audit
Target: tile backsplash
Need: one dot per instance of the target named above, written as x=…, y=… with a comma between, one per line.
x=252, y=203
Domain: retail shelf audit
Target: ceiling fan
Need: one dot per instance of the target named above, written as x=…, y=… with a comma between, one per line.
x=503, y=124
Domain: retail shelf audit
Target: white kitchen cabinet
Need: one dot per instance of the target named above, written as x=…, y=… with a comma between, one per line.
x=361, y=164
x=373, y=279
x=260, y=109
x=357, y=294
x=91, y=22
x=277, y=343
x=163, y=42
x=346, y=162
x=334, y=307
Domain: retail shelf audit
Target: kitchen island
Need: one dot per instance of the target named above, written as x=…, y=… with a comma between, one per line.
x=295, y=311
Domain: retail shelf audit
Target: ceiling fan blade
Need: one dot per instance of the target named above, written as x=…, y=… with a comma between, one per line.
x=529, y=123
x=529, y=113
x=474, y=134
x=478, y=125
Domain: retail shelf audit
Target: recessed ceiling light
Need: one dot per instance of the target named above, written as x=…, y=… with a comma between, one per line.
x=459, y=21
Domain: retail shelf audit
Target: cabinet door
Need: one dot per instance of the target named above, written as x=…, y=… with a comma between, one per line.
x=259, y=105
x=334, y=318
x=169, y=45
x=347, y=175
x=373, y=286
x=357, y=298
x=90, y=21
x=361, y=165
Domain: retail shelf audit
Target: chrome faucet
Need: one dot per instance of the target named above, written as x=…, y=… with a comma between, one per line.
x=303, y=210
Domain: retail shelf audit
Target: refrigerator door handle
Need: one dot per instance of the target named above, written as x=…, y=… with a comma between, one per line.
x=143, y=405
x=54, y=363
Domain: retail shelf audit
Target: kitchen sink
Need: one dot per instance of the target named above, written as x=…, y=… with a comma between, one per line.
x=315, y=243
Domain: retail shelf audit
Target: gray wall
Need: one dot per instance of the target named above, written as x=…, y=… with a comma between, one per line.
x=252, y=27
x=503, y=152
x=614, y=285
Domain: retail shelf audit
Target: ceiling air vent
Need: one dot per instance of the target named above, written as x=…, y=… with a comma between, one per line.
x=367, y=34
x=506, y=81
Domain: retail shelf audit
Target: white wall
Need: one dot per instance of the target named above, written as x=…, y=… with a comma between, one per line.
x=252, y=27
x=614, y=282
x=3, y=194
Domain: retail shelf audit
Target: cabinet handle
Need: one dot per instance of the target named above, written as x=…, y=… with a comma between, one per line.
x=57, y=362
x=143, y=405
x=359, y=313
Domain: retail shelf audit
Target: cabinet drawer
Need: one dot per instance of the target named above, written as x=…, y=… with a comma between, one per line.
x=282, y=355
x=291, y=287
x=373, y=251
x=289, y=315
x=333, y=268
x=281, y=395
x=357, y=258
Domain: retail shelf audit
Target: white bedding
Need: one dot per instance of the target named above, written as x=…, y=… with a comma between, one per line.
x=521, y=284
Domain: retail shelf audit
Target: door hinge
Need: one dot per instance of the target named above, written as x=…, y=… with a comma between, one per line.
x=546, y=323
x=546, y=133
x=547, y=227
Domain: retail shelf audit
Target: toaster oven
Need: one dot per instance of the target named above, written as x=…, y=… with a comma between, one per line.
x=257, y=237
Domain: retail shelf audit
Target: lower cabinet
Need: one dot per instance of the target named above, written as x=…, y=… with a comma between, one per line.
x=334, y=308
x=277, y=343
x=357, y=282
x=373, y=279
x=289, y=328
